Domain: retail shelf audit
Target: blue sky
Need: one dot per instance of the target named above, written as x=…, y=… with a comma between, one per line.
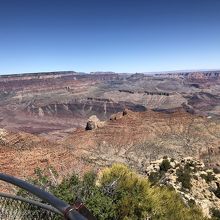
x=109, y=35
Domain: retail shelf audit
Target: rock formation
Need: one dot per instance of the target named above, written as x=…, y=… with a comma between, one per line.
x=94, y=123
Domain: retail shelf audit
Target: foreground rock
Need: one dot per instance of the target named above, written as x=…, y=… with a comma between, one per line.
x=189, y=177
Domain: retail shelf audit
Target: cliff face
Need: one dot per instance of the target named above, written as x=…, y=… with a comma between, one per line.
x=198, y=75
x=52, y=104
x=136, y=138
x=83, y=108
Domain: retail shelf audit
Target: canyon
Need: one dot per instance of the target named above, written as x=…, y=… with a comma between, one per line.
x=140, y=118
x=55, y=104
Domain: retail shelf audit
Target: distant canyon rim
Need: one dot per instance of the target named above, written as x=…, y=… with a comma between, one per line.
x=55, y=104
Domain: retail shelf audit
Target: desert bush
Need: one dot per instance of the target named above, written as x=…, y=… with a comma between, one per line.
x=216, y=170
x=119, y=193
x=172, y=159
x=165, y=165
x=154, y=177
x=217, y=192
x=136, y=199
x=184, y=176
x=215, y=214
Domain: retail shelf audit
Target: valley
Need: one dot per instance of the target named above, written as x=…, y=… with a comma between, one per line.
x=54, y=104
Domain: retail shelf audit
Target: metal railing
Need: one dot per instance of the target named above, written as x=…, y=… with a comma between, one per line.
x=16, y=208
x=19, y=208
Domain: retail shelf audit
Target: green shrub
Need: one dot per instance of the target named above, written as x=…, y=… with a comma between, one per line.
x=172, y=160
x=217, y=192
x=184, y=176
x=136, y=199
x=119, y=193
x=191, y=166
x=192, y=203
x=215, y=214
x=216, y=170
x=165, y=165
x=154, y=177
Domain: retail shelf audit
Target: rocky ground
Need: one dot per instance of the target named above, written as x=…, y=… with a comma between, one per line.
x=136, y=138
x=194, y=182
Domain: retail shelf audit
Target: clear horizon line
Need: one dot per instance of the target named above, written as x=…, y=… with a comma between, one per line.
x=124, y=72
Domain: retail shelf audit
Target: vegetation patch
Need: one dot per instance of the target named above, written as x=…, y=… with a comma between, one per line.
x=216, y=170
x=217, y=192
x=209, y=177
x=165, y=165
x=155, y=177
x=184, y=176
x=215, y=214
x=119, y=193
